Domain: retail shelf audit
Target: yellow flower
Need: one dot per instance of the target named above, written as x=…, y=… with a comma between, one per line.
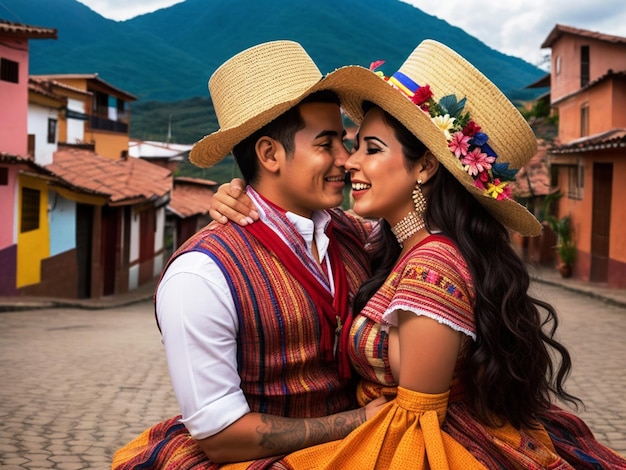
x=445, y=123
x=495, y=190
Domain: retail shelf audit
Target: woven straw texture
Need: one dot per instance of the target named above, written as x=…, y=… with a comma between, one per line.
x=434, y=64
x=253, y=88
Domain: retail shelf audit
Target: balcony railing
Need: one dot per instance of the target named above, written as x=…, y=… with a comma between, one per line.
x=104, y=124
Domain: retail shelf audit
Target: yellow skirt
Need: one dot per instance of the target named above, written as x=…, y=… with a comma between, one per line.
x=406, y=433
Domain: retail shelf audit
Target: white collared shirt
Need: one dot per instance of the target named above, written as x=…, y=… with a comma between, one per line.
x=199, y=328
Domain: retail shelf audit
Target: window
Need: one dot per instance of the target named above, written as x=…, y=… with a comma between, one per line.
x=52, y=131
x=584, y=66
x=4, y=176
x=31, y=146
x=584, y=120
x=30, y=209
x=100, y=103
x=9, y=70
x=557, y=65
x=575, y=181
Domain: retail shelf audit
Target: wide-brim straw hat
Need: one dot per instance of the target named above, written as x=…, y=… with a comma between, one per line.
x=252, y=89
x=447, y=73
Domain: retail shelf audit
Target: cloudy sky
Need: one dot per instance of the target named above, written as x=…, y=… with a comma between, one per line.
x=514, y=27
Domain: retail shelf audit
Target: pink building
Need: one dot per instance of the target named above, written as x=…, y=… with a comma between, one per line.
x=14, y=83
x=588, y=92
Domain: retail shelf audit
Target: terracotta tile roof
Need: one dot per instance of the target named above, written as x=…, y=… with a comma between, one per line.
x=8, y=28
x=542, y=82
x=44, y=89
x=534, y=178
x=559, y=30
x=54, y=84
x=43, y=172
x=125, y=181
x=88, y=77
x=191, y=196
x=614, y=138
x=18, y=159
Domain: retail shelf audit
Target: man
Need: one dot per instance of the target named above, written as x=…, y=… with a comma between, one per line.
x=255, y=319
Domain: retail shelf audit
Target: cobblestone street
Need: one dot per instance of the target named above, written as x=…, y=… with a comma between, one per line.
x=77, y=384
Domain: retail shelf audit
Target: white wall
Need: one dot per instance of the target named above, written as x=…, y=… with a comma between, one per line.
x=38, y=124
x=133, y=251
x=75, y=127
x=159, y=239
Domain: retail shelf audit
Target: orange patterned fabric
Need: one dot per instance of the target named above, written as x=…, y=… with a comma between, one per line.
x=405, y=434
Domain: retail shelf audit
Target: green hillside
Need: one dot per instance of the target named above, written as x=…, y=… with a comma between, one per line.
x=165, y=58
x=169, y=55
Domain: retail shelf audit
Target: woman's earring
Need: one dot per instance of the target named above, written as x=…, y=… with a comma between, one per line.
x=418, y=198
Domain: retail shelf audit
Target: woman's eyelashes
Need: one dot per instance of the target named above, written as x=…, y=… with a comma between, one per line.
x=373, y=150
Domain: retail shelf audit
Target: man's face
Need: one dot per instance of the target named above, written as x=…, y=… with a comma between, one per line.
x=313, y=177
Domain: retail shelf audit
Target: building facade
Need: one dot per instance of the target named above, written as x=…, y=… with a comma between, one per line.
x=81, y=219
x=588, y=160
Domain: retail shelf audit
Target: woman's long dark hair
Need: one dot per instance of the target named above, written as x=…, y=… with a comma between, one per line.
x=511, y=371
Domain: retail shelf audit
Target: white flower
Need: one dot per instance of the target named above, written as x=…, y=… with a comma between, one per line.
x=445, y=123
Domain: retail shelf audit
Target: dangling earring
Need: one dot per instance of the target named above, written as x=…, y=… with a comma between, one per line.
x=418, y=198
x=414, y=221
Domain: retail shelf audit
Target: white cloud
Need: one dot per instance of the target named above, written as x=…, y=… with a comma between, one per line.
x=120, y=10
x=518, y=28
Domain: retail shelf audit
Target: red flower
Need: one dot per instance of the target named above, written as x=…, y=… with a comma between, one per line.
x=471, y=128
x=376, y=64
x=421, y=95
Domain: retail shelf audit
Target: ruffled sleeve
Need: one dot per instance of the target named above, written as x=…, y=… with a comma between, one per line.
x=435, y=282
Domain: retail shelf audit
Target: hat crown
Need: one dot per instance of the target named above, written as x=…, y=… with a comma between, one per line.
x=251, y=82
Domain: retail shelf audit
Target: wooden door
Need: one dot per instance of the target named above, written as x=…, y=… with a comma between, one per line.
x=84, y=241
x=601, y=221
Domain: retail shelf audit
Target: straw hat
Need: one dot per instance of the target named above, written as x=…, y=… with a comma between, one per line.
x=253, y=88
x=447, y=73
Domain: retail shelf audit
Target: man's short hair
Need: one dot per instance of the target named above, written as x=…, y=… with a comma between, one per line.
x=283, y=129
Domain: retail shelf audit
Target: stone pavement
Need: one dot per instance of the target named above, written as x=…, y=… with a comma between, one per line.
x=82, y=378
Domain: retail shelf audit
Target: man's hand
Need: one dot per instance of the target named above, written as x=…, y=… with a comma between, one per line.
x=374, y=406
x=232, y=203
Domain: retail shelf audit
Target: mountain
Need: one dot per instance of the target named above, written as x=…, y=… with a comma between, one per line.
x=168, y=55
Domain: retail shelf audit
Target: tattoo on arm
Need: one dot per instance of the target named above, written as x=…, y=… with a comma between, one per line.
x=282, y=435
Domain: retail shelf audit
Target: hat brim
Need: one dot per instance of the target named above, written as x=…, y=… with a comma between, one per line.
x=356, y=84
x=214, y=147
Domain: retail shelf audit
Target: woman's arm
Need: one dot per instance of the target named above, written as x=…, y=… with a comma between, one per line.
x=231, y=202
x=428, y=352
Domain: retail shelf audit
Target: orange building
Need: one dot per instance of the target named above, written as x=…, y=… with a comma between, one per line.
x=107, y=115
x=588, y=160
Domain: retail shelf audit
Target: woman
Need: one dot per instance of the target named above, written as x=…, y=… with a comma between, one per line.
x=446, y=321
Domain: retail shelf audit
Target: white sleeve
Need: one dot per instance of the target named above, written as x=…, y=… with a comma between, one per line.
x=199, y=325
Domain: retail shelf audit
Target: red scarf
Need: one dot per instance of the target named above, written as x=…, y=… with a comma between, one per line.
x=335, y=316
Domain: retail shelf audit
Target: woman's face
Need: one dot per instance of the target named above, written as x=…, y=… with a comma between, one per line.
x=382, y=181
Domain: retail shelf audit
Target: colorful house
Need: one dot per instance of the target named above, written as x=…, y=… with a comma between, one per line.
x=22, y=205
x=190, y=201
x=106, y=117
x=76, y=223
x=588, y=160
x=188, y=209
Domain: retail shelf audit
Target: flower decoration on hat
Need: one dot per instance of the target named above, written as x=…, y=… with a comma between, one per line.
x=465, y=139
